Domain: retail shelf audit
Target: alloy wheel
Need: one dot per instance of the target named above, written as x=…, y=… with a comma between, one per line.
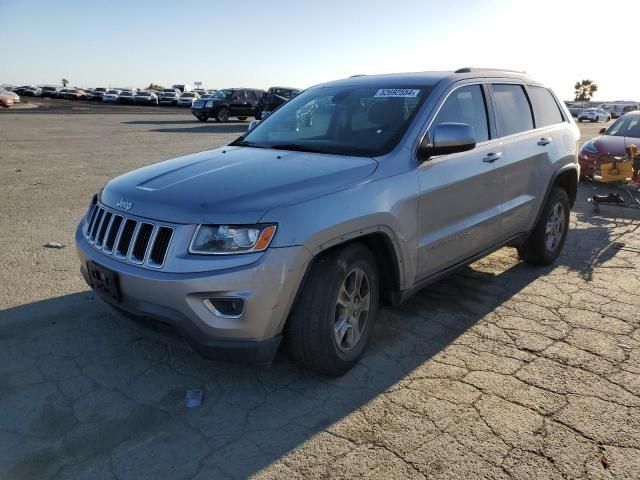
x=556, y=225
x=352, y=309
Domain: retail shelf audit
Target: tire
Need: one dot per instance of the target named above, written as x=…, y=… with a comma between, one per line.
x=202, y=118
x=540, y=248
x=579, y=120
x=312, y=331
x=222, y=115
x=608, y=119
x=242, y=119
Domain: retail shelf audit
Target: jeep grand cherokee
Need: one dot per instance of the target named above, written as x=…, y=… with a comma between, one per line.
x=296, y=231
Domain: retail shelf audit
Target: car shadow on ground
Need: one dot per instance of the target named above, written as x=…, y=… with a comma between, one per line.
x=191, y=120
x=206, y=128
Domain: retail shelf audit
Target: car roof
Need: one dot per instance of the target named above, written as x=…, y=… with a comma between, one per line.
x=431, y=78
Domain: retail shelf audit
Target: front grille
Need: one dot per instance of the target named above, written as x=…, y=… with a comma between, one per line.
x=128, y=239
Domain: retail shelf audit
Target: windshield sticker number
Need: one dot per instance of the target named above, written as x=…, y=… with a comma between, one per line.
x=397, y=92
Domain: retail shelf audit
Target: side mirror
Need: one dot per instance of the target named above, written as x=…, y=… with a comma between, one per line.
x=602, y=131
x=447, y=138
x=253, y=125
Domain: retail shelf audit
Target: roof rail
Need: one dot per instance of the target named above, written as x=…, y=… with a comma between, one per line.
x=358, y=75
x=473, y=69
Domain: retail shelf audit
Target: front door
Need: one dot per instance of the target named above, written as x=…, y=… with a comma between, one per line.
x=238, y=104
x=460, y=195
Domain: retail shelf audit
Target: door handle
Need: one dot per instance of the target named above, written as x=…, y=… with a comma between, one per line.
x=544, y=141
x=492, y=157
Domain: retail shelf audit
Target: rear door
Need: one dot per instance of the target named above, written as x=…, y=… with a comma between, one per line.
x=459, y=206
x=527, y=165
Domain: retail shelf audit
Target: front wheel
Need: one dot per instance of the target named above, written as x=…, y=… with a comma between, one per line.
x=202, y=118
x=547, y=239
x=329, y=327
x=222, y=115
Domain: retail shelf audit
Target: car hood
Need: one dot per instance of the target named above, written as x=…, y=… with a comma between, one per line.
x=232, y=184
x=614, y=145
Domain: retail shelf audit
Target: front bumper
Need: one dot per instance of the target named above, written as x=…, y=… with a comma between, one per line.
x=174, y=302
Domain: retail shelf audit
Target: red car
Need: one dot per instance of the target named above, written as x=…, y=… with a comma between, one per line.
x=6, y=101
x=612, y=142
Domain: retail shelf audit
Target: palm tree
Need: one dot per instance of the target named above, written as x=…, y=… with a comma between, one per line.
x=585, y=89
x=65, y=82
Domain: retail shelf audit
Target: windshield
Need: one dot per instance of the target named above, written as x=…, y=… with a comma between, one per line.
x=188, y=95
x=346, y=120
x=143, y=94
x=627, y=126
x=224, y=94
x=112, y=92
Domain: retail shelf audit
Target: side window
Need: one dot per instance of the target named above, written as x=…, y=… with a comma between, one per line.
x=514, y=113
x=238, y=95
x=251, y=96
x=545, y=108
x=466, y=105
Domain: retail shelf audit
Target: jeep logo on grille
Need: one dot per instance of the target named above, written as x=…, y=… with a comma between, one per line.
x=124, y=204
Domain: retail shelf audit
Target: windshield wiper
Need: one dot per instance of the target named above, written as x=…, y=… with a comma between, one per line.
x=244, y=143
x=297, y=148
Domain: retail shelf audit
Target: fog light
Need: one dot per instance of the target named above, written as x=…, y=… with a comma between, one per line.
x=226, y=307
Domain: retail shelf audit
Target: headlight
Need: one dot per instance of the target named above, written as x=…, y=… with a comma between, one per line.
x=228, y=239
x=209, y=104
x=590, y=147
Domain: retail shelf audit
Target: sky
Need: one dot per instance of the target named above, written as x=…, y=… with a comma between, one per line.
x=262, y=43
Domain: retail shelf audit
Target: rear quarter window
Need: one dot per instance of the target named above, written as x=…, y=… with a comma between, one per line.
x=545, y=108
x=513, y=110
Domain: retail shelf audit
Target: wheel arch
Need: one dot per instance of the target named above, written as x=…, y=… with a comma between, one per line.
x=382, y=242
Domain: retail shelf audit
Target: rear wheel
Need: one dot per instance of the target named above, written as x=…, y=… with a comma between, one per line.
x=222, y=115
x=547, y=239
x=329, y=327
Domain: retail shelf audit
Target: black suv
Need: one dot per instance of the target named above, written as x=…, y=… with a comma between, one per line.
x=228, y=102
x=97, y=94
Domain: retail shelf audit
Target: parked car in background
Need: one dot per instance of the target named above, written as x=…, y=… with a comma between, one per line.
x=169, y=96
x=15, y=98
x=618, y=109
x=227, y=103
x=74, y=94
x=5, y=100
x=21, y=89
x=126, y=96
x=182, y=87
x=299, y=235
x=271, y=100
x=575, y=110
x=145, y=97
x=612, y=142
x=97, y=94
x=111, y=96
x=49, y=91
x=61, y=93
x=594, y=115
x=31, y=92
x=187, y=99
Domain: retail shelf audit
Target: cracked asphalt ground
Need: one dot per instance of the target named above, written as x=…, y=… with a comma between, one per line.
x=501, y=371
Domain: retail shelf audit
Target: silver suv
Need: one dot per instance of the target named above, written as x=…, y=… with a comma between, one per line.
x=355, y=192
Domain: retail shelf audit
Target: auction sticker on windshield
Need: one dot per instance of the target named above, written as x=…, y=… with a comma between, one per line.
x=397, y=92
